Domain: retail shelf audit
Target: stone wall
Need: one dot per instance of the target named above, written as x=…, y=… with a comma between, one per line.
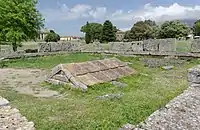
x=59, y=46
x=11, y=119
x=136, y=46
x=195, y=46
x=151, y=45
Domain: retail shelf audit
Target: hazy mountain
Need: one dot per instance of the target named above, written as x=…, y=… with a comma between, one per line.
x=189, y=22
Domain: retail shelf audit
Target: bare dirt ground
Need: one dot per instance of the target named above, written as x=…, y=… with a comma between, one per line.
x=25, y=81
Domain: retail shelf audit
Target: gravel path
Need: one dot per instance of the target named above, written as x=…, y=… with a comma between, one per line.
x=26, y=81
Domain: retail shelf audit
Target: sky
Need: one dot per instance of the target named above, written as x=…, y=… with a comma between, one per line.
x=67, y=16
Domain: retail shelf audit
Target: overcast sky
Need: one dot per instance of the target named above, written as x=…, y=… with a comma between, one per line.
x=67, y=16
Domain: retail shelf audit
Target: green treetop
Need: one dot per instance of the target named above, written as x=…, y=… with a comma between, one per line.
x=19, y=21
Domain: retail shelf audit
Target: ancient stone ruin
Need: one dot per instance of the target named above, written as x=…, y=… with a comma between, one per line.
x=82, y=75
x=59, y=46
x=11, y=119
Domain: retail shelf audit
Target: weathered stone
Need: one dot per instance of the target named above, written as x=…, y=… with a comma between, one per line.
x=90, y=66
x=100, y=65
x=119, y=84
x=167, y=45
x=76, y=69
x=11, y=119
x=88, y=79
x=151, y=45
x=60, y=77
x=194, y=75
x=127, y=127
x=110, y=96
x=3, y=102
x=58, y=46
x=195, y=46
x=167, y=67
x=101, y=76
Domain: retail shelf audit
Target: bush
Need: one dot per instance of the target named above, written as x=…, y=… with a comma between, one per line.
x=52, y=37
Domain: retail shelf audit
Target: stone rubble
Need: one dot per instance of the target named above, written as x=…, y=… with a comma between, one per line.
x=119, y=84
x=167, y=67
x=11, y=119
x=110, y=96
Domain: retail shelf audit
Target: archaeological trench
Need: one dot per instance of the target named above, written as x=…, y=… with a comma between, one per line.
x=182, y=113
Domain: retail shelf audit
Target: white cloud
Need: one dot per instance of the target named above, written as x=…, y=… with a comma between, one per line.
x=121, y=18
x=125, y=29
x=98, y=13
x=160, y=13
x=74, y=13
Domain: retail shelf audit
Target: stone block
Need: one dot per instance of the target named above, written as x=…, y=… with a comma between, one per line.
x=151, y=45
x=3, y=102
x=88, y=79
x=167, y=45
x=194, y=75
x=195, y=46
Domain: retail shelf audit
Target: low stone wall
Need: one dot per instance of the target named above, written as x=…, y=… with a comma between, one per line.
x=136, y=46
x=11, y=119
x=161, y=45
x=59, y=46
x=152, y=45
x=195, y=46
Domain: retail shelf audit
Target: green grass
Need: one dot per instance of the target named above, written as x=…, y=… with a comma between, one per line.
x=147, y=91
x=49, y=62
x=26, y=45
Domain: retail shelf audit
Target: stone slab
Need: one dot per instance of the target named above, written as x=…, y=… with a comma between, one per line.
x=100, y=64
x=60, y=77
x=112, y=74
x=88, y=79
x=76, y=69
x=110, y=63
x=90, y=66
x=101, y=75
x=3, y=102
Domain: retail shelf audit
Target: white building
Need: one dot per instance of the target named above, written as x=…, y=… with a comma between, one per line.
x=69, y=38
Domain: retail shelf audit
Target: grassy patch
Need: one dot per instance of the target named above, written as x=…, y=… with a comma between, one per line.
x=147, y=91
x=48, y=62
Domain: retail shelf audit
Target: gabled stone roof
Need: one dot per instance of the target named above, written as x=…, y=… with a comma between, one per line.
x=84, y=74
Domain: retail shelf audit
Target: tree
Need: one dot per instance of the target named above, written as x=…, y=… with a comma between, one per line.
x=150, y=23
x=140, y=31
x=19, y=20
x=173, y=29
x=115, y=29
x=95, y=30
x=108, y=32
x=196, y=28
x=52, y=37
x=88, y=36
